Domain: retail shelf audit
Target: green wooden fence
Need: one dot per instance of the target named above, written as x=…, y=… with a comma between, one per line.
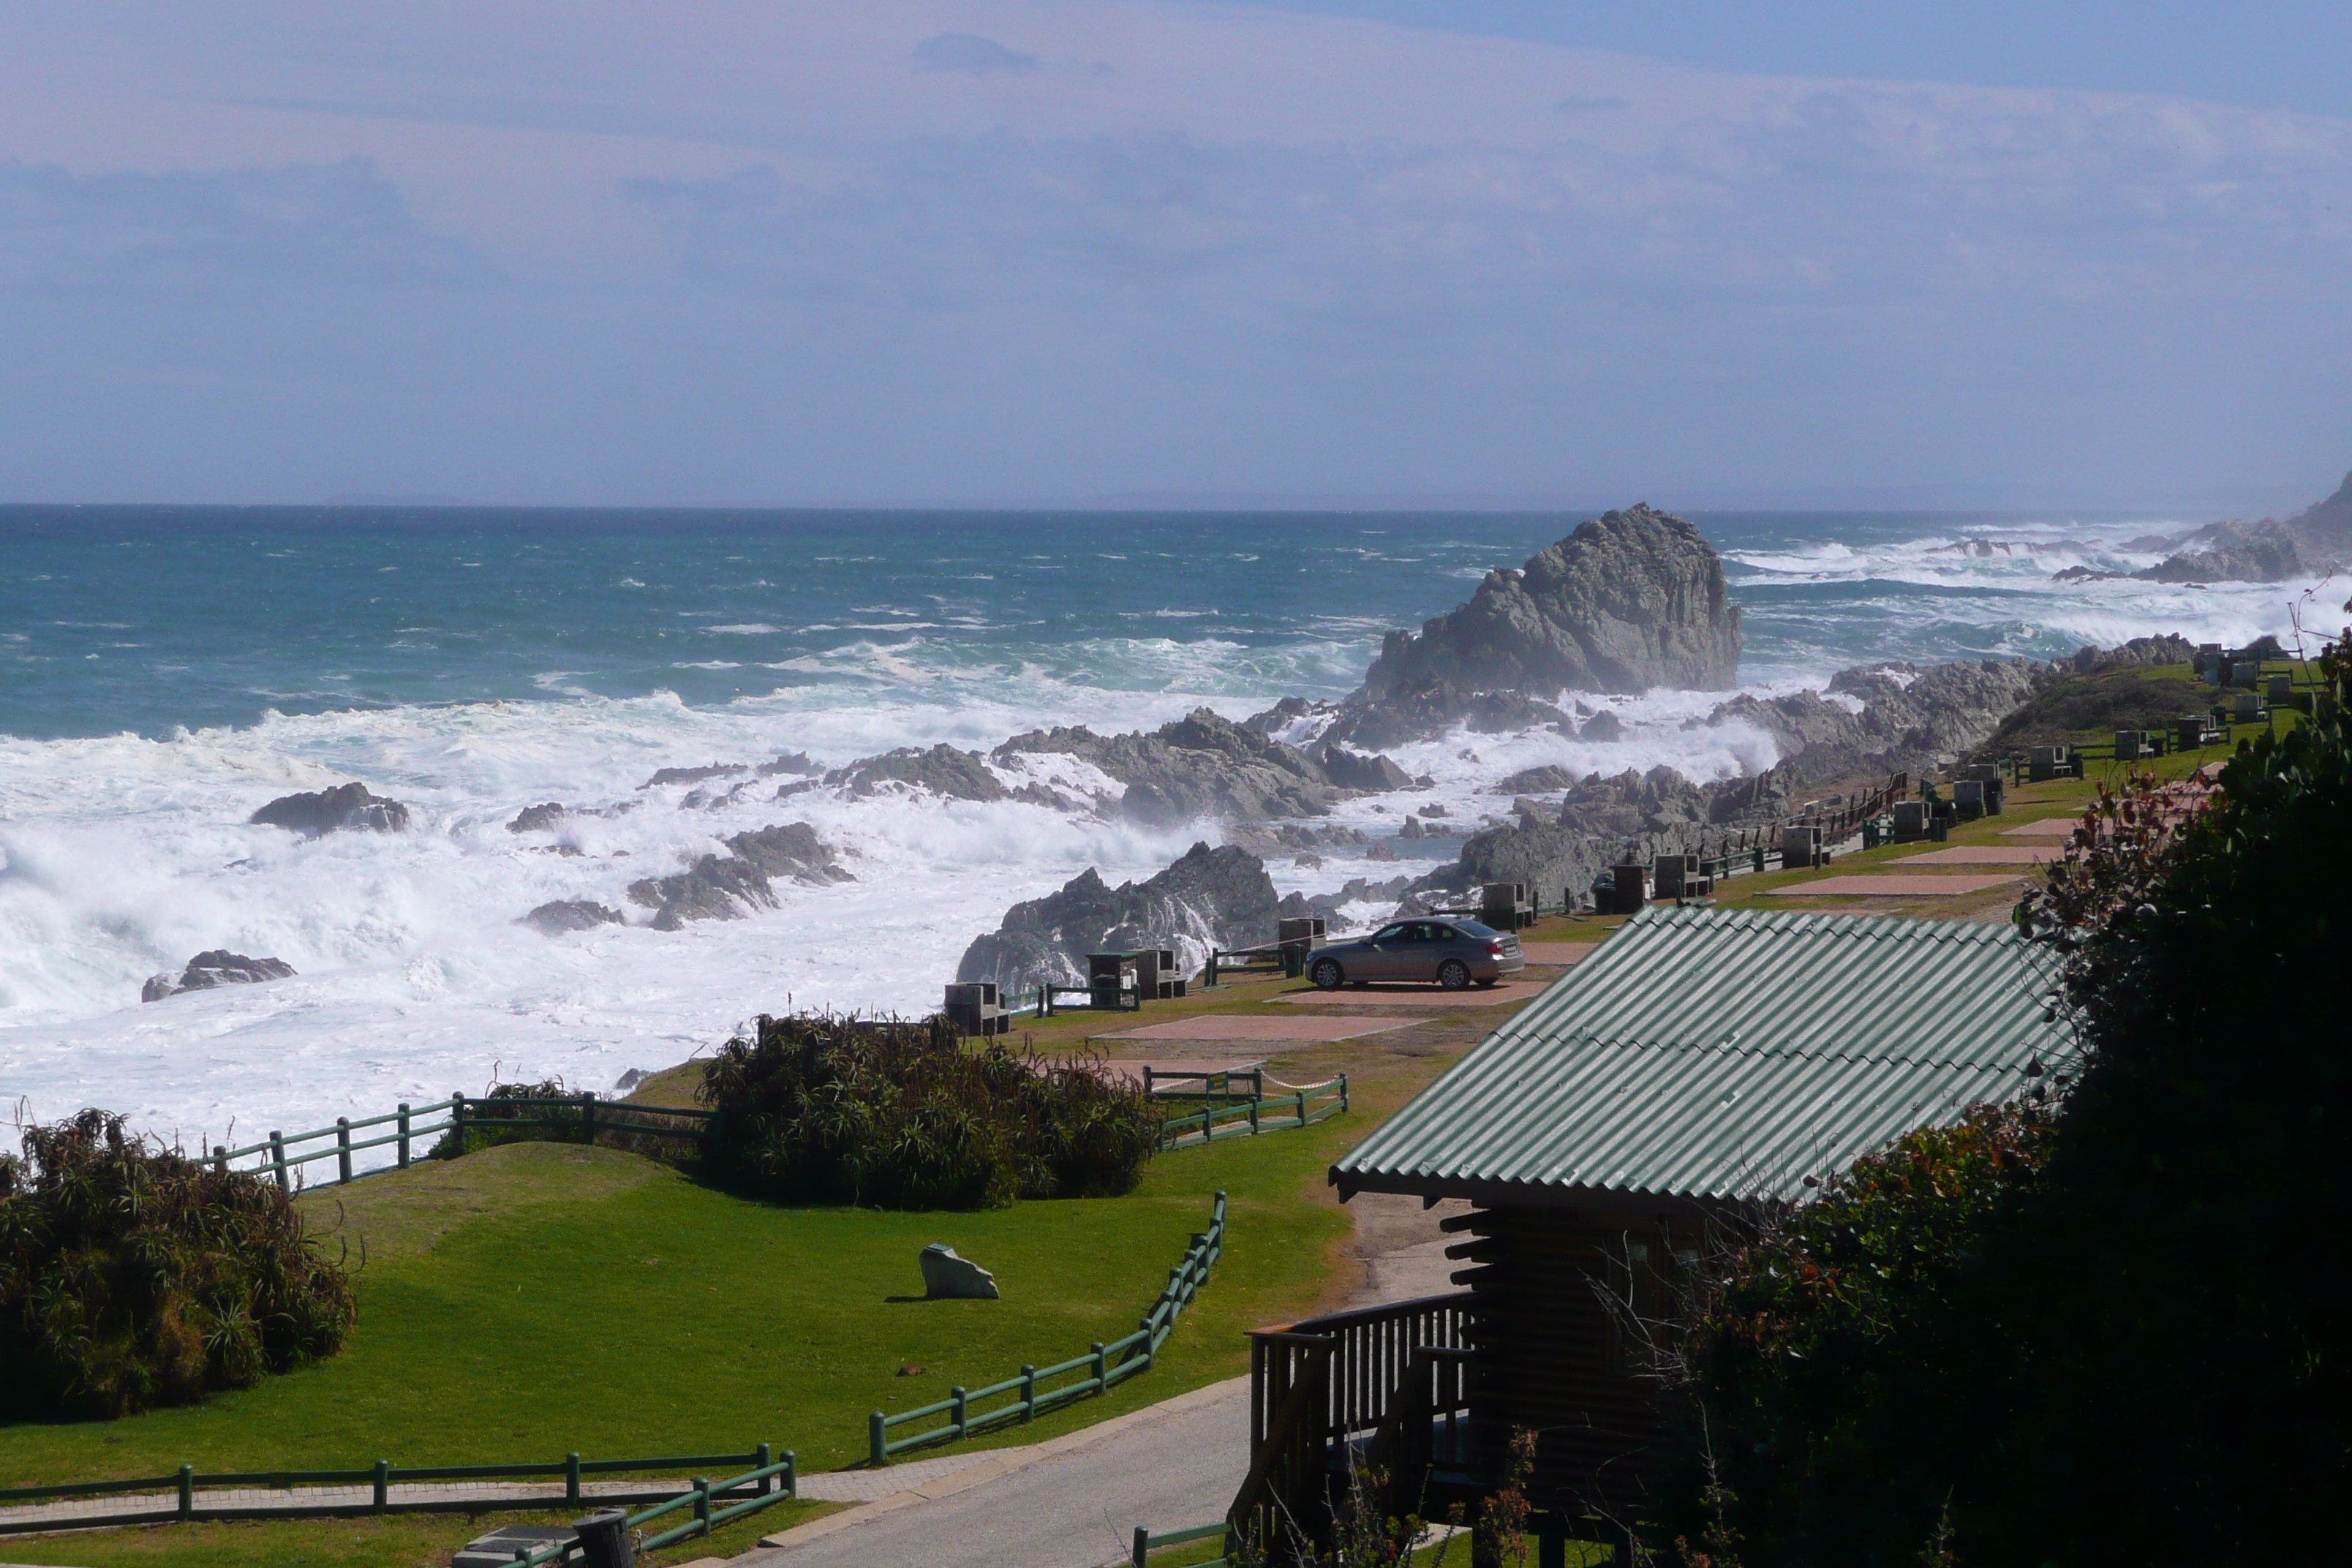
x=1096, y=1372
x=1301, y=1108
x=283, y=1153
x=769, y=1481
x=1146, y=1543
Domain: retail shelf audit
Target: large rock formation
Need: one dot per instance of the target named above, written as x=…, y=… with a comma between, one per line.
x=1630, y=600
x=1912, y=719
x=1206, y=766
x=217, y=967
x=2322, y=531
x=728, y=887
x=345, y=807
x=1220, y=897
x=2233, y=552
x=558, y=916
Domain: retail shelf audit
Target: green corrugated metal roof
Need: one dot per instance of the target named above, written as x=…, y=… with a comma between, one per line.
x=1710, y=1054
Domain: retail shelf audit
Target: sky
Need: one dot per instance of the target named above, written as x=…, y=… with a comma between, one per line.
x=1355, y=252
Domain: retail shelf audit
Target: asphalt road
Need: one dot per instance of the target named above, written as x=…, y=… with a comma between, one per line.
x=1074, y=1510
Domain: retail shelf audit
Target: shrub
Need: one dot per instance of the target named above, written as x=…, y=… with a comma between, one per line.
x=901, y=1114
x=133, y=1276
x=552, y=1124
x=1849, y=1360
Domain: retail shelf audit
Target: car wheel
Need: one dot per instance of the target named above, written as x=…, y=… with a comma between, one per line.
x=1326, y=976
x=1453, y=974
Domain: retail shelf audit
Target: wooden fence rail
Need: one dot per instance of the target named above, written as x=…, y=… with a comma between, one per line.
x=1103, y=1365
x=281, y=1155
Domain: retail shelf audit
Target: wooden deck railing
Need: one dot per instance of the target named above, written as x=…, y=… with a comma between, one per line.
x=1321, y=1390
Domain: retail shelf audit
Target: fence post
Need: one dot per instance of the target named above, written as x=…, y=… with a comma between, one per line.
x=456, y=1125
x=1142, y=1545
x=877, y=1441
x=1102, y=1367
x=220, y=1159
x=343, y=1149
x=1343, y=1092
x=571, y=1480
x=1253, y=1118
x=187, y=1492
x=1302, y=1108
x=791, y=1474
x=1210, y=978
x=587, y=1116
x=1147, y=1081
x=760, y=1453
x=277, y=1156
x=963, y=1410
x=702, y=1503
x=403, y=1135
x=1028, y=1391
x=383, y=1485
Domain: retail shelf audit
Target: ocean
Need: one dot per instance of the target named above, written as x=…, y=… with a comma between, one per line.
x=165, y=670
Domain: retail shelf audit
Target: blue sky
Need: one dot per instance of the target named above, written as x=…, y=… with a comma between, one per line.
x=1489, y=252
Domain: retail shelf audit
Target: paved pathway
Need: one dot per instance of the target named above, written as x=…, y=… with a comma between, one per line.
x=1385, y=995
x=1925, y=885
x=1073, y=1502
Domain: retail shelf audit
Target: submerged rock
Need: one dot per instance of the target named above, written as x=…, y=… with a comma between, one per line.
x=1220, y=897
x=695, y=775
x=728, y=887
x=1206, y=766
x=943, y=769
x=537, y=818
x=560, y=915
x=217, y=967
x=345, y=808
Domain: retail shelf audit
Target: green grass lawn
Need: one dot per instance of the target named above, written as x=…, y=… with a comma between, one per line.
x=540, y=1298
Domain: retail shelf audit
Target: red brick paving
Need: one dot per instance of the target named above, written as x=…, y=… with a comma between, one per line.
x=1983, y=855
x=1922, y=887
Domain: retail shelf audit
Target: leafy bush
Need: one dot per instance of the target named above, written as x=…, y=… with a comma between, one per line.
x=133, y=1276
x=1846, y=1360
x=900, y=1114
x=551, y=1123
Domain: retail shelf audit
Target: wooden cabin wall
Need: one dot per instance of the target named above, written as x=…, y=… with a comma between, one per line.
x=1554, y=1357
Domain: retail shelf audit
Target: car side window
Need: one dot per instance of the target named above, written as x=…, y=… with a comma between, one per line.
x=1393, y=933
x=1441, y=933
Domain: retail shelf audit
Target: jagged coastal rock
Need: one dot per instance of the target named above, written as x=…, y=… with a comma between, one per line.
x=1206, y=766
x=217, y=967
x=1912, y=719
x=727, y=887
x=943, y=769
x=538, y=818
x=1631, y=600
x=345, y=808
x=2262, y=552
x=1220, y=897
x=560, y=915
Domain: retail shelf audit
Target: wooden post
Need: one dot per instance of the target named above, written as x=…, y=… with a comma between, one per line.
x=1147, y=1081
x=877, y=1441
x=383, y=1485
x=1343, y=1092
x=187, y=1492
x=963, y=1410
x=456, y=1125
x=1142, y=1546
x=702, y=1502
x=571, y=1480
x=1253, y=1118
x=760, y=1453
x=587, y=1116
x=343, y=1149
x=1102, y=1366
x=220, y=1159
x=1209, y=977
x=403, y=1135
x=791, y=1474
x=277, y=1156
x=1028, y=1391
x=1302, y=1108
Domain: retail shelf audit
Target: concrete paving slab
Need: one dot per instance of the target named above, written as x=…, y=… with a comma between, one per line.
x=1984, y=855
x=1927, y=886
x=1255, y=1026
x=2048, y=827
x=1556, y=952
x=1412, y=997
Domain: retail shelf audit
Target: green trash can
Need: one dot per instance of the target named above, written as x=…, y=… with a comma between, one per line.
x=1294, y=960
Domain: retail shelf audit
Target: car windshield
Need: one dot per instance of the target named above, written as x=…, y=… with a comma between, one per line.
x=1474, y=929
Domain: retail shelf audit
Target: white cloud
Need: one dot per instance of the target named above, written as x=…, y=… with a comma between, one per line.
x=1304, y=252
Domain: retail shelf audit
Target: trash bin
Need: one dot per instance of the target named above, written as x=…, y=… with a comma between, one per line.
x=604, y=1540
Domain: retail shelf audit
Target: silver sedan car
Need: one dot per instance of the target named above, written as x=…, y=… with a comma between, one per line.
x=1449, y=949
